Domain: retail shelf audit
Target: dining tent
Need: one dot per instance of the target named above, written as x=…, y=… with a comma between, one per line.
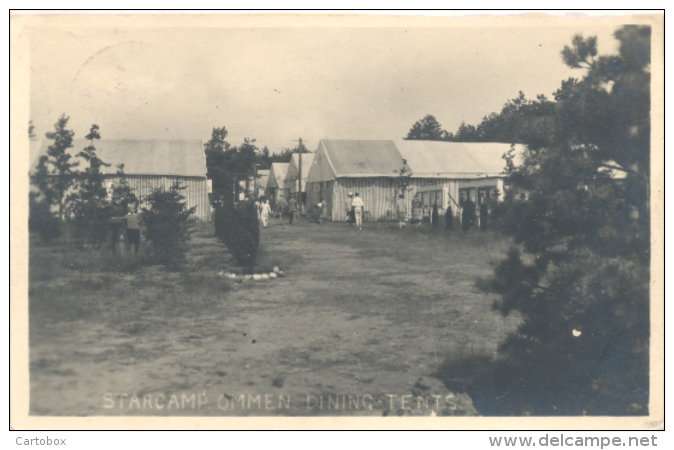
x=276, y=180
x=292, y=180
x=460, y=170
x=368, y=167
x=148, y=165
x=446, y=173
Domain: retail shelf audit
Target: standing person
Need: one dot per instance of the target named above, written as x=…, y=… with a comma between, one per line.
x=468, y=215
x=257, y=208
x=316, y=213
x=133, y=229
x=435, y=216
x=281, y=205
x=292, y=209
x=401, y=209
x=272, y=205
x=449, y=219
x=324, y=211
x=357, y=205
x=116, y=223
x=265, y=210
x=350, y=218
x=484, y=215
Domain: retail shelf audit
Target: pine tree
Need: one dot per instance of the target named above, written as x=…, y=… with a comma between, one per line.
x=56, y=174
x=579, y=277
x=168, y=222
x=91, y=211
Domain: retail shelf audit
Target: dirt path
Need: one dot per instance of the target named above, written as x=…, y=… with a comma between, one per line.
x=358, y=319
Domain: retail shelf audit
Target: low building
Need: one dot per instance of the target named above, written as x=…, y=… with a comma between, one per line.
x=449, y=173
x=367, y=167
x=276, y=180
x=148, y=164
x=260, y=183
x=292, y=181
x=442, y=173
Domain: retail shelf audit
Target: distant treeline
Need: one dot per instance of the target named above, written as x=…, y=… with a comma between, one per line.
x=520, y=120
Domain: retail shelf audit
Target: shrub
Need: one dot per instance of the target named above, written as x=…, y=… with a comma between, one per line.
x=468, y=215
x=238, y=227
x=91, y=222
x=167, y=223
x=42, y=220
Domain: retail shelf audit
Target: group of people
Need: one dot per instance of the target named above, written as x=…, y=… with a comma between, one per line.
x=318, y=214
x=264, y=209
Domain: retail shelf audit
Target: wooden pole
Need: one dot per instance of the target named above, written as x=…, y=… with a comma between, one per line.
x=299, y=176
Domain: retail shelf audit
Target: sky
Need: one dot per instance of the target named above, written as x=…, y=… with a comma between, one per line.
x=276, y=85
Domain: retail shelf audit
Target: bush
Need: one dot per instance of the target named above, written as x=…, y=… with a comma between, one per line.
x=238, y=227
x=468, y=215
x=497, y=215
x=42, y=220
x=168, y=223
x=91, y=222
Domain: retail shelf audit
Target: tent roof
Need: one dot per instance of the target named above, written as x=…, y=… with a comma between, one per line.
x=440, y=159
x=262, y=176
x=177, y=157
x=293, y=167
x=490, y=154
x=361, y=158
x=277, y=175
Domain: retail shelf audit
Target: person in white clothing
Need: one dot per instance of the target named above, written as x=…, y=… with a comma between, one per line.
x=264, y=212
x=357, y=205
x=401, y=208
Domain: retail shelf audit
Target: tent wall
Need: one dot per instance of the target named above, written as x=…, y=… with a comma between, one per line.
x=378, y=196
x=318, y=190
x=196, y=192
x=416, y=183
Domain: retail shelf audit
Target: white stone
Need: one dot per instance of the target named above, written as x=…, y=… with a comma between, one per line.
x=276, y=269
x=257, y=276
x=272, y=275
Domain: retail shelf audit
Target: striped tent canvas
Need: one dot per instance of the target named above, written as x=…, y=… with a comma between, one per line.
x=148, y=164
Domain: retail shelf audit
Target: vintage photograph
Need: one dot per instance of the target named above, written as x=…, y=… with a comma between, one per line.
x=304, y=216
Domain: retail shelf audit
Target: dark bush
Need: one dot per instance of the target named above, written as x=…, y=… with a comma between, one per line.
x=91, y=222
x=42, y=220
x=498, y=211
x=468, y=215
x=238, y=227
x=449, y=219
x=168, y=222
x=435, y=217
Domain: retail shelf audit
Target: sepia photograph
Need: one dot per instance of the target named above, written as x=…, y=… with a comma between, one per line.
x=337, y=216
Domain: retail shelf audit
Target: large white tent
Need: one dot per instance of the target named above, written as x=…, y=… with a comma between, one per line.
x=466, y=170
x=292, y=179
x=443, y=173
x=368, y=167
x=276, y=180
x=148, y=164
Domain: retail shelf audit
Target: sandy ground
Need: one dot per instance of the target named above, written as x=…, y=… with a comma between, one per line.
x=360, y=317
